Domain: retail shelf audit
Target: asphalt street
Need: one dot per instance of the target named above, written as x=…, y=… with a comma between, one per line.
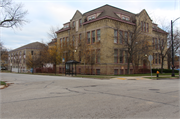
x=36, y=96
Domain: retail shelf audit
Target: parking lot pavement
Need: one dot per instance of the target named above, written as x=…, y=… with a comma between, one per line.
x=34, y=96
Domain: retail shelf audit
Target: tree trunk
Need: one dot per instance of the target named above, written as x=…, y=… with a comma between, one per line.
x=55, y=69
x=128, y=66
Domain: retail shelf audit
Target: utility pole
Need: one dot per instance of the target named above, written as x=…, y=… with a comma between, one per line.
x=173, y=75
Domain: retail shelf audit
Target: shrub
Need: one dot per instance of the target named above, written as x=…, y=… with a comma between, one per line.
x=3, y=83
x=164, y=71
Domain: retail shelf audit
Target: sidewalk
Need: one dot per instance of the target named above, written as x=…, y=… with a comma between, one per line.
x=140, y=78
x=133, y=78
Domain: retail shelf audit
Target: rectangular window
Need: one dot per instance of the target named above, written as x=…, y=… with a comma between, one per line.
x=115, y=56
x=80, y=22
x=79, y=56
x=121, y=71
x=115, y=36
x=121, y=56
x=159, y=44
x=61, y=42
x=131, y=71
x=153, y=58
x=98, y=72
x=141, y=25
x=126, y=37
x=155, y=43
x=126, y=71
x=93, y=36
x=79, y=38
x=156, y=58
x=31, y=52
x=126, y=56
x=67, y=41
x=64, y=40
x=73, y=39
x=79, y=70
x=147, y=27
x=130, y=37
x=159, y=58
x=98, y=56
x=73, y=23
x=121, y=37
x=88, y=38
x=98, y=34
x=115, y=71
x=144, y=26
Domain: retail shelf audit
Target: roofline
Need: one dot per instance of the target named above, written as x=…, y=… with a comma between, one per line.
x=66, y=23
x=110, y=6
x=108, y=18
x=161, y=31
x=63, y=30
x=23, y=49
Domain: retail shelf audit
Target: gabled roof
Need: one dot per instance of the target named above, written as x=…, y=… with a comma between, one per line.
x=145, y=12
x=108, y=10
x=159, y=30
x=77, y=12
x=34, y=45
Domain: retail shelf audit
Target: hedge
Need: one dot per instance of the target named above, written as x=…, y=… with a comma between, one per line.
x=164, y=71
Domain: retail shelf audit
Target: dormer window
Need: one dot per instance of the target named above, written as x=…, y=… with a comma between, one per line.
x=89, y=19
x=122, y=16
x=127, y=18
x=66, y=25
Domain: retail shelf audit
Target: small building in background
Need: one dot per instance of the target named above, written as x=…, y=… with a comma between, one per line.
x=17, y=58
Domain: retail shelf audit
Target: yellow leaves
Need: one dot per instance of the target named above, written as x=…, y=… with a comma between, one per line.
x=54, y=54
x=29, y=61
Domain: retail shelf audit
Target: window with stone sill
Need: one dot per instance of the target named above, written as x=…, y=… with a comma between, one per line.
x=98, y=34
x=115, y=36
x=93, y=36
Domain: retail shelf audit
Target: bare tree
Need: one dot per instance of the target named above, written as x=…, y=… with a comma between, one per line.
x=12, y=14
x=4, y=55
x=176, y=40
x=135, y=42
x=52, y=32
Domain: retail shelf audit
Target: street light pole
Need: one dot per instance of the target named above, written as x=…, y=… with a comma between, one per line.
x=172, y=49
x=179, y=64
x=172, y=46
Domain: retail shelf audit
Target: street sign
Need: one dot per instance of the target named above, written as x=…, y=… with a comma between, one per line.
x=150, y=58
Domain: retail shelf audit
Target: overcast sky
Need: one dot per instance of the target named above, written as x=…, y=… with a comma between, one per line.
x=42, y=14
